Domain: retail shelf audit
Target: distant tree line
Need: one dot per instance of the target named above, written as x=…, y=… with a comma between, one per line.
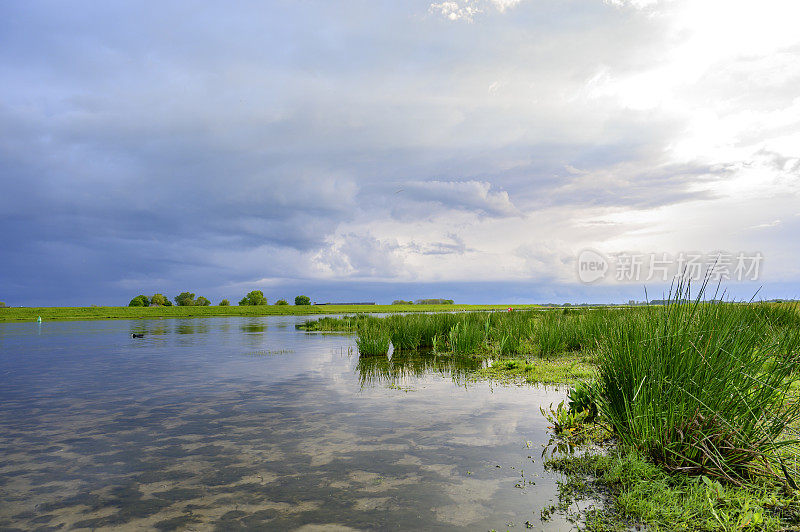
x=158, y=300
x=254, y=298
x=187, y=299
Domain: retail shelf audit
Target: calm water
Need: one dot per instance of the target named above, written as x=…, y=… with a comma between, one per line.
x=246, y=423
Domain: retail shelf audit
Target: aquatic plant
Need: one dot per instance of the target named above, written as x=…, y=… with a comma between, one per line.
x=406, y=333
x=583, y=398
x=699, y=387
x=328, y=324
x=373, y=337
x=465, y=338
x=549, y=333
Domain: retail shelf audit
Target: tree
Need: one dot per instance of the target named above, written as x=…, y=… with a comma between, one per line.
x=202, y=302
x=401, y=302
x=281, y=302
x=160, y=300
x=302, y=300
x=256, y=297
x=3, y=305
x=224, y=303
x=185, y=299
x=139, y=301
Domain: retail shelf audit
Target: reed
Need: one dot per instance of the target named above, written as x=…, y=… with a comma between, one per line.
x=465, y=338
x=699, y=387
x=373, y=337
x=549, y=333
x=407, y=331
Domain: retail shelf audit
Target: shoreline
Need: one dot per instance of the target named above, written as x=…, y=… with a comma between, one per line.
x=24, y=314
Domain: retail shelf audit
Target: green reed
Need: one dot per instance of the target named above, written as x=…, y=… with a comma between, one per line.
x=700, y=387
x=373, y=337
x=465, y=338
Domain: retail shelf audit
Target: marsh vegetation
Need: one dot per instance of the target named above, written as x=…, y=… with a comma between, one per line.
x=690, y=390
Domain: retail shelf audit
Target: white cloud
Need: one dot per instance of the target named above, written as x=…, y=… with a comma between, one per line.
x=502, y=5
x=636, y=4
x=360, y=256
x=467, y=9
x=455, y=10
x=774, y=223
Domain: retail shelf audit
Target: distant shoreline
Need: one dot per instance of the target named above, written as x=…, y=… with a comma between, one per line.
x=22, y=314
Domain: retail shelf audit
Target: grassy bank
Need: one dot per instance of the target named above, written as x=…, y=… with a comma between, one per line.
x=111, y=313
x=701, y=414
x=636, y=491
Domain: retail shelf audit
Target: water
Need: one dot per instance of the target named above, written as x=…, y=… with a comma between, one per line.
x=246, y=423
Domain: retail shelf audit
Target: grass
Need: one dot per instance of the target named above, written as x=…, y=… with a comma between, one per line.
x=635, y=490
x=564, y=369
x=465, y=338
x=493, y=334
x=372, y=339
x=109, y=313
x=700, y=388
x=700, y=402
x=698, y=398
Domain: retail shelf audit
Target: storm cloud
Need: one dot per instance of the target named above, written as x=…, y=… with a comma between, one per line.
x=322, y=145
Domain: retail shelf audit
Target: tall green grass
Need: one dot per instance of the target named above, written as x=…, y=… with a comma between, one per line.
x=699, y=387
x=498, y=333
x=465, y=338
x=373, y=338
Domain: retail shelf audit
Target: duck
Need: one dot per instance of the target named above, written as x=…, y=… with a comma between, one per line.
x=137, y=335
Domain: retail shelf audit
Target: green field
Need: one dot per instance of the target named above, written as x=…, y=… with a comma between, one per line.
x=114, y=313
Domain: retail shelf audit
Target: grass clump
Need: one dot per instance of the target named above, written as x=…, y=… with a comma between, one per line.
x=549, y=333
x=328, y=324
x=465, y=338
x=408, y=332
x=373, y=338
x=686, y=385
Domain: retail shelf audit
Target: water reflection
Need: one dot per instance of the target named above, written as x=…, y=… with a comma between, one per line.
x=196, y=326
x=179, y=429
x=403, y=366
x=146, y=327
x=253, y=327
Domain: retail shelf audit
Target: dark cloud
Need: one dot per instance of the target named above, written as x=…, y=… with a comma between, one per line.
x=207, y=147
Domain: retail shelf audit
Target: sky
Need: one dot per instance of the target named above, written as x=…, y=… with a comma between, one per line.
x=372, y=151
